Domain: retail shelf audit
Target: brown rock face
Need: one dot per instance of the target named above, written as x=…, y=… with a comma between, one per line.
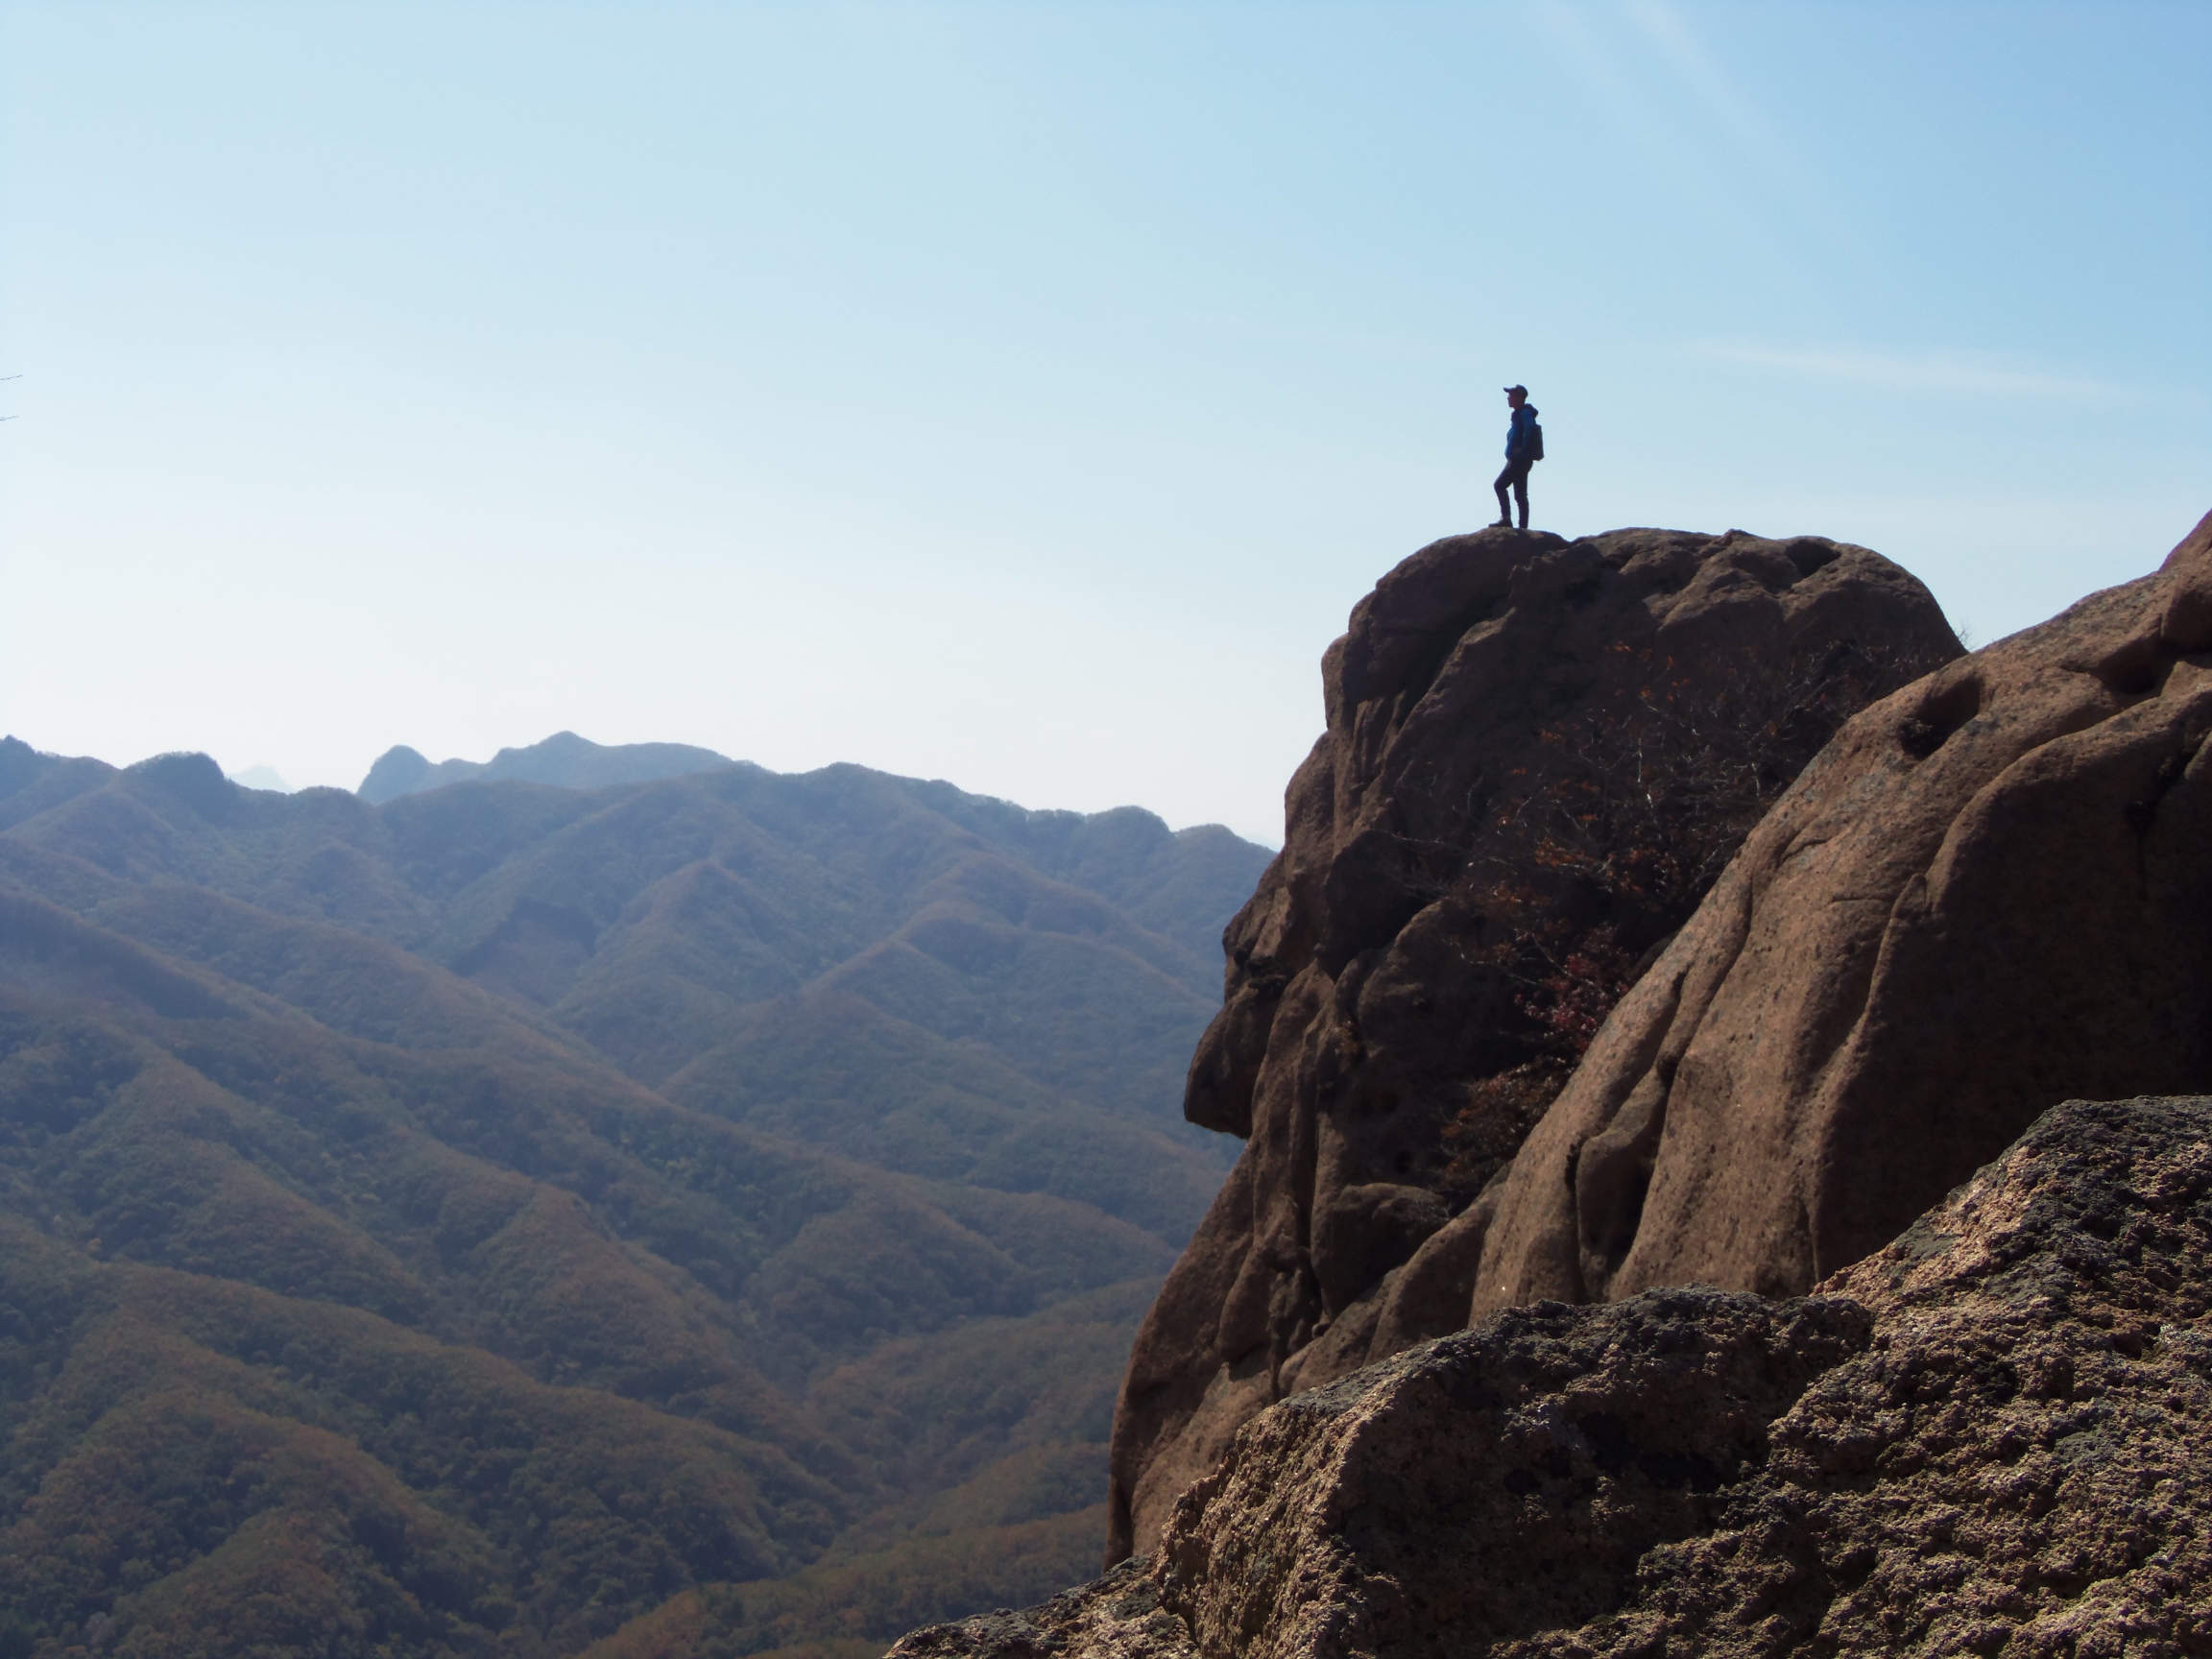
x=1989, y=894
x=1539, y=755
x=1988, y=1438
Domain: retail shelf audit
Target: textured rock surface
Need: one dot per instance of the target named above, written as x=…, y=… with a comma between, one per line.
x=1118, y=1615
x=1988, y=1438
x=1495, y=697
x=1989, y=894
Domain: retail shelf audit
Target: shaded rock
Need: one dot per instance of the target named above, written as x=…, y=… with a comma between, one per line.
x=1986, y=1437
x=1119, y=1615
x=1988, y=895
x=1539, y=755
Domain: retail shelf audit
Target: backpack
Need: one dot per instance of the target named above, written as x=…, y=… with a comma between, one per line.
x=1535, y=442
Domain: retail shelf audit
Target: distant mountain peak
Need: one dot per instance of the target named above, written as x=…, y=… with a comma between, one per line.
x=20, y=764
x=399, y=771
x=193, y=778
x=564, y=759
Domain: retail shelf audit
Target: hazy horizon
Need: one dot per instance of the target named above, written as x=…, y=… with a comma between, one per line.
x=1022, y=394
x=270, y=779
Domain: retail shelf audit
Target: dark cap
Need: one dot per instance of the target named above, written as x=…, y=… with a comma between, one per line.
x=1522, y=390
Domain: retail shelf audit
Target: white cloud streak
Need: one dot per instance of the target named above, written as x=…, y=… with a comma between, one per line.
x=1688, y=120
x=1664, y=26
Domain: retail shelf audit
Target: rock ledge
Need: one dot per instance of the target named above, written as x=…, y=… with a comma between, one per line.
x=1987, y=1438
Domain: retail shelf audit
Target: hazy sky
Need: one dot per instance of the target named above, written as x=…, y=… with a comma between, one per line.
x=1022, y=394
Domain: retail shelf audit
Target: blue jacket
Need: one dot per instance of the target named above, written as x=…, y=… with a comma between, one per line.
x=1517, y=434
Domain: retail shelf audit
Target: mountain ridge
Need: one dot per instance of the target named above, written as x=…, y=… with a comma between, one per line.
x=564, y=759
x=342, y=1200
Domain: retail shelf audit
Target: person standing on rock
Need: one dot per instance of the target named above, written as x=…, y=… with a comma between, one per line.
x=1524, y=449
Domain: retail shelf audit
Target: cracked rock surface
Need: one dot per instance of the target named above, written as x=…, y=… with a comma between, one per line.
x=1989, y=1437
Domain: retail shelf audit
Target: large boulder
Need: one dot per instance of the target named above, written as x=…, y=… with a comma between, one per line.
x=1987, y=1438
x=1539, y=755
x=1991, y=893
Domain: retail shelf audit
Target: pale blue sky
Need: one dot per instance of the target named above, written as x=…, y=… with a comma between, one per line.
x=1022, y=394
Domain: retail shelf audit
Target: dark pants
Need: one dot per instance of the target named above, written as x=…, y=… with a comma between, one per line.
x=1516, y=474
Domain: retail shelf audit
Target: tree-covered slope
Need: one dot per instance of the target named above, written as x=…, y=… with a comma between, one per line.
x=360, y=1292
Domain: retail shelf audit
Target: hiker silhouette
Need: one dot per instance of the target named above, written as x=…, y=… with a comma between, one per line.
x=1524, y=449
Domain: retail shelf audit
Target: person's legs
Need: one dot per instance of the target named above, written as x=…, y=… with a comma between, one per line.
x=1505, y=507
x=1520, y=471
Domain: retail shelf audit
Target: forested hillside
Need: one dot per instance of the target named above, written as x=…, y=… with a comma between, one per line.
x=482, y=1221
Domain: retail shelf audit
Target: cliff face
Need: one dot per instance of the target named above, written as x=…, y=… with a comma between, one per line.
x=1980, y=1433
x=1539, y=755
x=1986, y=1437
